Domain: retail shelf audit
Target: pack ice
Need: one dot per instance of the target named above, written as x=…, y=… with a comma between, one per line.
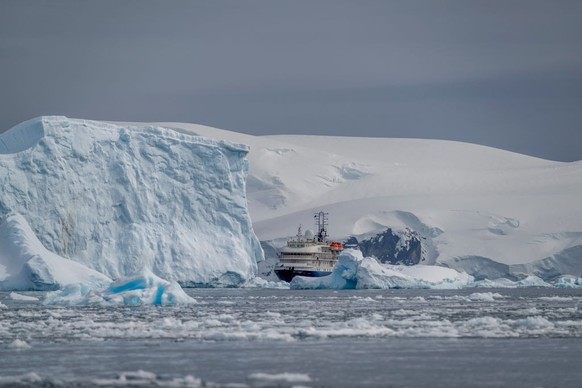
x=120, y=198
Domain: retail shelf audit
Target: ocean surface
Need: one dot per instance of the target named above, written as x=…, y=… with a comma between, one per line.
x=283, y=338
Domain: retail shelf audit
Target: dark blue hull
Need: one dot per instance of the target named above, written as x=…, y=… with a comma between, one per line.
x=289, y=273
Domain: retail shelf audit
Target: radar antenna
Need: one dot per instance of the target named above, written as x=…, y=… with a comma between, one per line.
x=321, y=223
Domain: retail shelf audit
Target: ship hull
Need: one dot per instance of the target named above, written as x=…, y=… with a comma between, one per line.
x=288, y=274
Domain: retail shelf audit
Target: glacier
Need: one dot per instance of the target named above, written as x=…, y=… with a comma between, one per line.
x=119, y=198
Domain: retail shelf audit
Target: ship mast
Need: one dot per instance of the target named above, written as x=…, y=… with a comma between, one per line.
x=321, y=223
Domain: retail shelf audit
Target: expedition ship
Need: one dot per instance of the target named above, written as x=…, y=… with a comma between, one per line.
x=308, y=254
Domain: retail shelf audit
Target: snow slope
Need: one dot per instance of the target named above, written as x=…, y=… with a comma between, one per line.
x=121, y=198
x=25, y=264
x=476, y=207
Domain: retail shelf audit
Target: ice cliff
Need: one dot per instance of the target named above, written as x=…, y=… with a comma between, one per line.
x=121, y=198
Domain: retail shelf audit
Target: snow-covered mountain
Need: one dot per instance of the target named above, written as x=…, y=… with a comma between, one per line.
x=479, y=209
x=121, y=198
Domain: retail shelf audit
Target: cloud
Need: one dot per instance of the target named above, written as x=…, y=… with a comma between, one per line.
x=450, y=69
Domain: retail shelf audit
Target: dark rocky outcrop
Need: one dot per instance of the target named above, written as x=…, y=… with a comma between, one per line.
x=392, y=247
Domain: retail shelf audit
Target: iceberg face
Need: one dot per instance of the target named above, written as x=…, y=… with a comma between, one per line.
x=353, y=271
x=142, y=288
x=25, y=264
x=118, y=199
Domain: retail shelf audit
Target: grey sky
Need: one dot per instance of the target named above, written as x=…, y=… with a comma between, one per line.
x=502, y=73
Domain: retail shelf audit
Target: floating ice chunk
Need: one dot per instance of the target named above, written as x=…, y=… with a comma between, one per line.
x=495, y=283
x=19, y=345
x=140, y=375
x=258, y=282
x=342, y=277
x=485, y=296
x=143, y=378
x=278, y=379
x=534, y=323
x=530, y=281
x=28, y=379
x=568, y=281
x=26, y=298
x=143, y=288
x=355, y=271
x=2, y=305
x=146, y=288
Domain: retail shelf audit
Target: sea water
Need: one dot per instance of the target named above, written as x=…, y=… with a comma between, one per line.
x=284, y=338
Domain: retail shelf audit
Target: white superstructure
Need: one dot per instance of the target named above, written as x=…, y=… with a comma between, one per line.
x=308, y=254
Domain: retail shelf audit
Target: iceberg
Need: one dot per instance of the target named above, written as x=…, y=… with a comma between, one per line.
x=25, y=264
x=141, y=288
x=354, y=271
x=568, y=281
x=118, y=198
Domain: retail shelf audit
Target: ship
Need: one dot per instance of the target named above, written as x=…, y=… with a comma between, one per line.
x=310, y=254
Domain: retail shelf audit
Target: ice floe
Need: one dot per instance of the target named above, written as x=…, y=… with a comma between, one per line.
x=485, y=296
x=569, y=281
x=18, y=344
x=529, y=281
x=142, y=378
x=278, y=379
x=25, y=298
